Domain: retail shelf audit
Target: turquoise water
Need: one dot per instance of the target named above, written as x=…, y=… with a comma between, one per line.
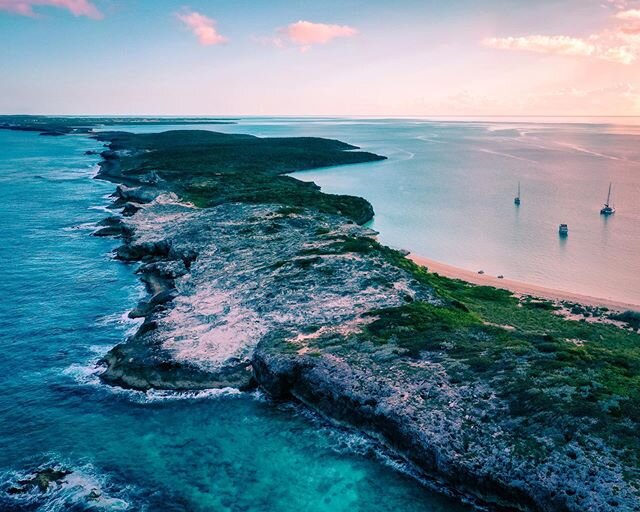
x=446, y=192
x=63, y=305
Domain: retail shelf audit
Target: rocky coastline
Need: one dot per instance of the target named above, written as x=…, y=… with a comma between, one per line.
x=256, y=279
x=288, y=298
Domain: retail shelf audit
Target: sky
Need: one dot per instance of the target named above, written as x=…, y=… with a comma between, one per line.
x=330, y=57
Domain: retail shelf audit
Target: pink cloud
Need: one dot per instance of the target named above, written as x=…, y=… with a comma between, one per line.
x=306, y=34
x=76, y=7
x=202, y=26
x=562, y=45
x=619, y=44
x=631, y=14
x=631, y=19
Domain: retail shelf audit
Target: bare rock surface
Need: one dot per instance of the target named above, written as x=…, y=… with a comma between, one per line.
x=240, y=272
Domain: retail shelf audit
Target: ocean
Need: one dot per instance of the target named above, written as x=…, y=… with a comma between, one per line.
x=64, y=304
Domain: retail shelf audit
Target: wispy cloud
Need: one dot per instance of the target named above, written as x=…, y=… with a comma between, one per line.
x=620, y=44
x=564, y=45
x=203, y=27
x=305, y=34
x=76, y=7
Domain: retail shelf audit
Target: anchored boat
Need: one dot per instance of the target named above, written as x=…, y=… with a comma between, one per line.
x=608, y=209
x=563, y=230
x=516, y=201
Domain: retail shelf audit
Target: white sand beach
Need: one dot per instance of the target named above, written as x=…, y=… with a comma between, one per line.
x=518, y=287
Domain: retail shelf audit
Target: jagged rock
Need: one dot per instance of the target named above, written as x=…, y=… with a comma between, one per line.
x=130, y=209
x=141, y=195
x=41, y=479
x=213, y=320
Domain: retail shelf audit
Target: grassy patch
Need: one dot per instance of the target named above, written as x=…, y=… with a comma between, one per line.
x=631, y=318
x=548, y=381
x=343, y=245
x=242, y=168
x=419, y=326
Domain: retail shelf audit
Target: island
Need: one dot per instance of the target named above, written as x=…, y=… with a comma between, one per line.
x=257, y=279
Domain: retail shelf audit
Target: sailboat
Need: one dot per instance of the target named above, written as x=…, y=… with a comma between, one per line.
x=607, y=209
x=516, y=201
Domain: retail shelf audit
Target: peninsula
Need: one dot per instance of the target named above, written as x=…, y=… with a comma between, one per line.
x=258, y=279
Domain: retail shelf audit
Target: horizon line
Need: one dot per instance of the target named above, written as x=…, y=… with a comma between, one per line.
x=378, y=116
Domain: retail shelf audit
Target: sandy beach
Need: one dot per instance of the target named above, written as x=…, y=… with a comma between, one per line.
x=518, y=287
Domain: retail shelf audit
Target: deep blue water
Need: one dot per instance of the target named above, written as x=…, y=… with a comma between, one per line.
x=63, y=304
x=446, y=192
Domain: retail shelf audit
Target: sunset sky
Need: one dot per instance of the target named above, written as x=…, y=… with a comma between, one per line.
x=335, y=57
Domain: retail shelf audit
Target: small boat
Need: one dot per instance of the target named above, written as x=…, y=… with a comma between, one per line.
x=516, y=200
x=607, y=209
x=563, y=230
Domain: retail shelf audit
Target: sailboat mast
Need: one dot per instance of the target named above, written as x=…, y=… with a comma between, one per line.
x=609, y=195
x=518, y=190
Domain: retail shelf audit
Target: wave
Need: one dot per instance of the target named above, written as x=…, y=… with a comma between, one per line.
x=122, y=319
x=85, y=226
x=88, y=374
x=581, y=149
x=434, y=139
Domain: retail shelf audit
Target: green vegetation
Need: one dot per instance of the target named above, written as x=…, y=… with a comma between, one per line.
x=241, y=168
x=345, y=244
x=568, y=377
x=631, y=318
x=419, y=326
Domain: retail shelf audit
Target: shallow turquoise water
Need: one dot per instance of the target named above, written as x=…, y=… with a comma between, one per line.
x=446, y=192
x=63, y=304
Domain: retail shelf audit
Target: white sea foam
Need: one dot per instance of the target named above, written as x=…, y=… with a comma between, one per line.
x=85, y=487
x=122, y=319
x=88, y=374
x=104, y=209
x=85, y=226
x=156, y=395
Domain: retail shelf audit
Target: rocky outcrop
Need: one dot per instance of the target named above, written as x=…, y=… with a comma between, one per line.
x=201, y=325
x=459, y=435
x=40, y=479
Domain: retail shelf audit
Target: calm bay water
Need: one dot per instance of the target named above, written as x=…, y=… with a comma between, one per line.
x=63, y=304
x=446, y=192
